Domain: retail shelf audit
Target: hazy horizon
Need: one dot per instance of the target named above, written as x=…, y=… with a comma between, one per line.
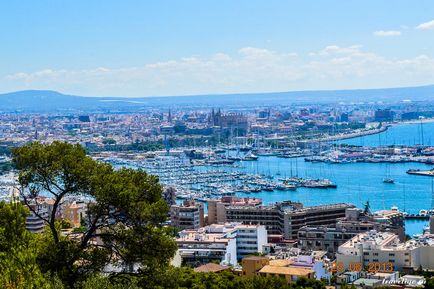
x=220, y=94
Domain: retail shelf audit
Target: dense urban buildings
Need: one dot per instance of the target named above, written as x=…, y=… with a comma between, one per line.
x=286, y=218
x=356, y=221
x=386, y=249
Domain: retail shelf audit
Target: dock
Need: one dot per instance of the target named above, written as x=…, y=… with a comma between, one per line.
x=417, y=217
x=428, y=173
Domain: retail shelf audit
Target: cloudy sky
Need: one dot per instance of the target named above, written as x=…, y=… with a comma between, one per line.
x=144, y=48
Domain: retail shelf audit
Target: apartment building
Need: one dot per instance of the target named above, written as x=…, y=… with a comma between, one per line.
x=217, y=208
x=188, y=215
x=329, y=238
x=386, y=248
x=34, y=223
x=250, y=239
x=225, y=243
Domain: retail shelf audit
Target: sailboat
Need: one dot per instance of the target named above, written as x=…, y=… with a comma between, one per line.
x=388, y=179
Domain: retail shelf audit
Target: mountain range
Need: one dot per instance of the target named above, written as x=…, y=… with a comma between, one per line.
x=48, y=101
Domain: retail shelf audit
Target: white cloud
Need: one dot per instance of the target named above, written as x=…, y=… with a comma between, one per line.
x=426, y=25
x=389, y=33
x=251, y=69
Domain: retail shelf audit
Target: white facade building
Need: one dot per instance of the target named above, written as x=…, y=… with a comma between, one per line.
x=385, y=247
x=225, y=242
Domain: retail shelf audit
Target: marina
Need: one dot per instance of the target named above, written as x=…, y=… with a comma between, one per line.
x=274, y=178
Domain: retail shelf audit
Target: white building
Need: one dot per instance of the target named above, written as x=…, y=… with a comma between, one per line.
x=225, y=242
x=385, y=248
x=250, y=239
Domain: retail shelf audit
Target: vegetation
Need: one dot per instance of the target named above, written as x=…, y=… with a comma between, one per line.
x=127, y=213
x=21, y=266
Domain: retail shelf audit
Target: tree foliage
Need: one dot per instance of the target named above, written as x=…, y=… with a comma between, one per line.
x=18, y=251
x=124, y=218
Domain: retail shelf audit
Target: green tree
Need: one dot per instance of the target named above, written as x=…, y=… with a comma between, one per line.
x=18, y=251
x=124, y=219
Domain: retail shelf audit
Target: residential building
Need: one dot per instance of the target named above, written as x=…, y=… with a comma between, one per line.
x=329, y=238
x=263, y=266
x=392, y=220
x=250, y=239
x=34, y=222
x=386, y=248
x=73, y=212
x=252, y=264
x=217, y=207
x=188, y=215
x=40, y=209
x=223, y=242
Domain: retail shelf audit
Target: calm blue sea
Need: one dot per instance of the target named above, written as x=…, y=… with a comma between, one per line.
x=402, y=134
x=358, y=182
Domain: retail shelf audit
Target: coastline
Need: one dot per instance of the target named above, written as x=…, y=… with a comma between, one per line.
x=424, y=120
x=384, y=128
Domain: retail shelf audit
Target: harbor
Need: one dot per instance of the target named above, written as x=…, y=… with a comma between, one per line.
x=276, y=175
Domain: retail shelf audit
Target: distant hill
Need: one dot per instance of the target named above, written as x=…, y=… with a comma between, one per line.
x=46, y=100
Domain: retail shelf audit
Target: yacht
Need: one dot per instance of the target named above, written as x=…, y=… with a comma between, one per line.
x=388, y=181
x=423, y=212
x=250, y=157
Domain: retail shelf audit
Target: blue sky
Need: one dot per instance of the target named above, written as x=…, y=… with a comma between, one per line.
x=141, y=48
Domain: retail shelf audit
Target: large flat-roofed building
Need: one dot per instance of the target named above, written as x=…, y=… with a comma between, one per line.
x=329, y=238
x=217, y=208
x=286, y=218
x=225, y=243
x=386, y=248
x=312, y=216
x=393, y=220
x=189, y=215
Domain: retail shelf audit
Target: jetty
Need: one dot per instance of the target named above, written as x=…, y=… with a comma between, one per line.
x=429, y=173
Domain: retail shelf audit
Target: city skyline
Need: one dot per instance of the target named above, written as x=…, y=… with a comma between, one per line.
x=159, y=49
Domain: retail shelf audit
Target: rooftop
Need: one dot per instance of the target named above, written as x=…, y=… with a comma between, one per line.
x=211, y=267
x=374, y=238
x=293, y=271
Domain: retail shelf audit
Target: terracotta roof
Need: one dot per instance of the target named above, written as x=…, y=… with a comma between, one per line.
x=211, y=267
x=294, y=271
x=280, y=262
